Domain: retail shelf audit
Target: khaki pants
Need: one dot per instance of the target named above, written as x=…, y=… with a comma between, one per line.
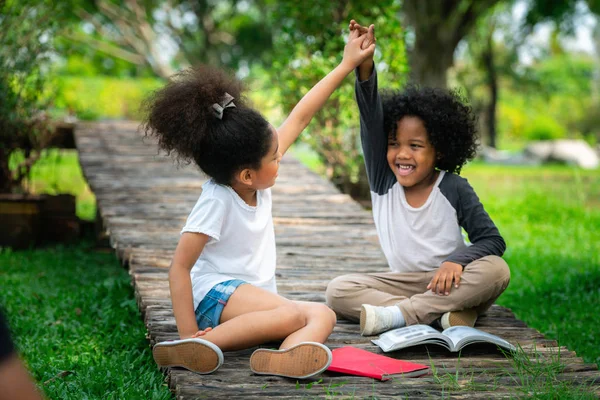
x=481, y=283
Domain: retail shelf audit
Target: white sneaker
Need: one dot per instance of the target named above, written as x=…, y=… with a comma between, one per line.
x=301, y=361
x=459, y=318
x=197, y=355
x=374, y=320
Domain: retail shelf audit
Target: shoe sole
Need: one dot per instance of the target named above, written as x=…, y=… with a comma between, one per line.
x=459, y=318
x=365, y=330
x=197, y=355
x=302, y=361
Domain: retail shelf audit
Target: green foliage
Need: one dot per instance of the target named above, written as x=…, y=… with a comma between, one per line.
x=58, y=172
x=309, y=44
x=102, y=97
x=26, y=32
x=75, y=321
x=130, y=38
x=543, y=127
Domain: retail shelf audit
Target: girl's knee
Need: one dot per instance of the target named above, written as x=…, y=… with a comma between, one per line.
x=291, y=316
x=321, y=314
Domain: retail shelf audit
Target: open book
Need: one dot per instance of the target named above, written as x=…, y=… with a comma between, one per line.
x=454, y=338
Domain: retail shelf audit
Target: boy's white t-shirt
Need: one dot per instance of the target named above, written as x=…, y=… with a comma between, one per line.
x=241, y=243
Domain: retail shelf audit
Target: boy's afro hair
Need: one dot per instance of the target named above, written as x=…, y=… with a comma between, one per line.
x=447, y=117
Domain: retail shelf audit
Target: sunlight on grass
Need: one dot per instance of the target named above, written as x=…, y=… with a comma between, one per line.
x=77, y=325
x=58, y=172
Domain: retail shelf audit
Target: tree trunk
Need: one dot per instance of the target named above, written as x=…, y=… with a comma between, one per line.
x=429, y=63
x=5, y=176
x=439, y=25
x=492, y=81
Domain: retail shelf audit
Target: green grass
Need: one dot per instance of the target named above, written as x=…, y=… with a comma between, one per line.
x=59, y=172
x=77, y=325
x=550, y=218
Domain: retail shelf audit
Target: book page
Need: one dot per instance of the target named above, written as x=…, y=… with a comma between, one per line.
x=460, y=336
x=410, y=336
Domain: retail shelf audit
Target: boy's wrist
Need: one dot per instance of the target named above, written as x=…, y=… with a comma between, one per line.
x=365, y=69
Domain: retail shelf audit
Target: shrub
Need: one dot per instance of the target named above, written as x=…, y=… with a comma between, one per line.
x=543, y=128
x=92, y=98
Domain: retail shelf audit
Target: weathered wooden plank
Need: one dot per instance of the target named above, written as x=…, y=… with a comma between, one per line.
x=143, y=201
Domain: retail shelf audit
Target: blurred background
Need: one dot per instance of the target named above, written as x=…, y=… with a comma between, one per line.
x=530, y=69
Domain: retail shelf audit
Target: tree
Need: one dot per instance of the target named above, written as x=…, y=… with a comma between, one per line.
x=222, y=33
x=309, y=42
x=491, y=59
x=27, y=29
x=438, y=27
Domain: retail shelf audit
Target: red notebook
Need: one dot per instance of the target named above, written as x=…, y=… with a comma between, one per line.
x=353, y=361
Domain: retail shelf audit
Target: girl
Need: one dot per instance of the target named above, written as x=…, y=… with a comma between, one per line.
x=222, y=277
x=415, y=143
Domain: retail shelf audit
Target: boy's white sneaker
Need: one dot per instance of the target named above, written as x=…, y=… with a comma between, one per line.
x=197, y=355
x=459, y=318
x=374, y=320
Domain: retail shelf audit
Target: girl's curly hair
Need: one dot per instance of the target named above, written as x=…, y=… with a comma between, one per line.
x=447, y=117
x=180, y=116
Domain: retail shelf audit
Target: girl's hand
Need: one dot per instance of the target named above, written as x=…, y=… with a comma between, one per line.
x=201, y=333
x=359, y=30
x=359, y=47
x=441, y=283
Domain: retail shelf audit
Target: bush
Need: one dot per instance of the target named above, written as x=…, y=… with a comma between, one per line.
x=102, y=97
x=543, y=128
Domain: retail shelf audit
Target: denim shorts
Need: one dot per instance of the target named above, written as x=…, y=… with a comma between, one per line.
x=208, y=312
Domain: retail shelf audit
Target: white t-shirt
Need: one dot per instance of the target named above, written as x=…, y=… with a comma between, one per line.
x=241, y=243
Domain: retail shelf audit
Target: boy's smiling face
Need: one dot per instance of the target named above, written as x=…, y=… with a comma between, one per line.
x=410, y=154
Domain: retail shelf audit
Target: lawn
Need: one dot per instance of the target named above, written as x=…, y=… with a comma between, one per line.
x=550, y=218
x=77, y=325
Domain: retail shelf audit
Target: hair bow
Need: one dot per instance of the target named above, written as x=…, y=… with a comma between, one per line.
x=222, y=105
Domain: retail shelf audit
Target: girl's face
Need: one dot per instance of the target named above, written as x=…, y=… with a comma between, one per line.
x=410, y=154
x=269, y=165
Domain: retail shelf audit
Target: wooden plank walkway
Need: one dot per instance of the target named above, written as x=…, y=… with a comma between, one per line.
x=143, y=201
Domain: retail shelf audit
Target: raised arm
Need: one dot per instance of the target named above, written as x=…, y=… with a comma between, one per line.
x=312, y=102
x=372, y=135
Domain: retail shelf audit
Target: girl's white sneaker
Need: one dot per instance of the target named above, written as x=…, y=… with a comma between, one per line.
x=197, y=355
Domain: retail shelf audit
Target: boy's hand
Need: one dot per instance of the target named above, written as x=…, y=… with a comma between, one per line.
x=359, y=30
x=441, y=283
x=355, y=52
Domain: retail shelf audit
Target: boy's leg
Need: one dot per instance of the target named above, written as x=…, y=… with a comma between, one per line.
x=345, y=294
x=481, y=283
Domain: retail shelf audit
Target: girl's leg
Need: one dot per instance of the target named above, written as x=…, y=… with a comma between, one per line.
x=320, y=321
x=254, y=316
x=345, y=294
